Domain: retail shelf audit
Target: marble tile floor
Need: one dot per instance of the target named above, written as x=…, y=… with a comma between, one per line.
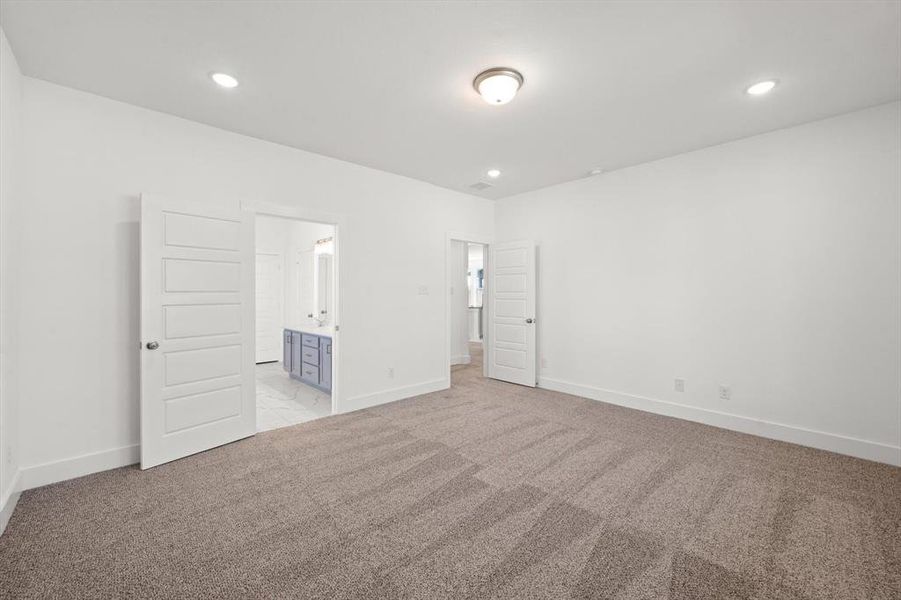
x=282, y=401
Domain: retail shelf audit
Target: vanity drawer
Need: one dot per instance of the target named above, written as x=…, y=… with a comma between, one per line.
x=310, y=374
x=311, y=340
x=310, y=355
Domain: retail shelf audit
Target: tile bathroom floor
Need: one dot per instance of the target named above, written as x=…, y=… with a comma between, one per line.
x=282, y=401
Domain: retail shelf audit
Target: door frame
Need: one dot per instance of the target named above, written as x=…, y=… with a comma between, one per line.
x=470, y=238
x=339, y=222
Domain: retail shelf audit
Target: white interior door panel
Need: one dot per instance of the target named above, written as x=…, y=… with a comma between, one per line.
x=511, y=296
x=197, y=328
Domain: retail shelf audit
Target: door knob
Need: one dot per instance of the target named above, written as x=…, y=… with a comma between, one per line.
x=153, y=345
x=530, y=320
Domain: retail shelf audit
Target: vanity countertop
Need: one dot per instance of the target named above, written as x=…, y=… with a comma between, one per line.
x=327, y=331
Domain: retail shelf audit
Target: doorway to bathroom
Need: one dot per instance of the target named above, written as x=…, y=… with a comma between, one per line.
x=295, y=320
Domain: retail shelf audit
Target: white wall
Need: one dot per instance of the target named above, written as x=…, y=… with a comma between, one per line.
x=87, y=159
x=10, y=195
x=770, y=264
x=459, y=300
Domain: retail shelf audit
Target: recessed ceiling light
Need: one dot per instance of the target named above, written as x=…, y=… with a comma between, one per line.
x=498, y=86
x=761, y=88
x=494, y=173
x=224, y=80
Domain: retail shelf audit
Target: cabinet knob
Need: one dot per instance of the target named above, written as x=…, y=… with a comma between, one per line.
x=530, y=320
x=153, y=345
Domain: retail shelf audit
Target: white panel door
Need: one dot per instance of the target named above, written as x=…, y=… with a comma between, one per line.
x=270, y=296
x=197, y=328
x=511, y=297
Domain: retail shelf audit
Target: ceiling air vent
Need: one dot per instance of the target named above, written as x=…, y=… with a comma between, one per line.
x=481, y=185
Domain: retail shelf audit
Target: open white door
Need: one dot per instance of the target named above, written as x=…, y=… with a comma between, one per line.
x=511, y=300
x=197, y=328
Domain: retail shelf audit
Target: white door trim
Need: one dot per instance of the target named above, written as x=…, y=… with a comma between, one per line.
x=470, y=238
x=339, y=221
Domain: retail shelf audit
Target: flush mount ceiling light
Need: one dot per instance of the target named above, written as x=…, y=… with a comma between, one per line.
x=224, y=80
x=762, y=87
x=498, y=85
x=493, y=173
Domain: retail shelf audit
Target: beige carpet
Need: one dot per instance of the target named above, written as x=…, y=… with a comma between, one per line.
x=486, y=490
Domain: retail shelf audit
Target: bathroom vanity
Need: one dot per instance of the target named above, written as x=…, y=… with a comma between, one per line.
x=308, y=356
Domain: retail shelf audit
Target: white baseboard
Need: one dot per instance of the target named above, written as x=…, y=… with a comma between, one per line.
x=399, y=393
x=883, y=453
x=69, y=468
x=461, y=359
x=8, y=502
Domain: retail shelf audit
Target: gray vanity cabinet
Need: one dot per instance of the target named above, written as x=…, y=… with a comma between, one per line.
x=308, y=357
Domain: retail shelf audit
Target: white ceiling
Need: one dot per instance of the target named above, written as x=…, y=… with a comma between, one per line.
x=388, y=84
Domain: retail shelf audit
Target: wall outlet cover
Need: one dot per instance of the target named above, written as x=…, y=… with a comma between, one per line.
x=725, y=392
x=679, y=385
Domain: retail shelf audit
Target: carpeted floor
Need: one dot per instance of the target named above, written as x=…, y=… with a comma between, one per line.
x=486, y=490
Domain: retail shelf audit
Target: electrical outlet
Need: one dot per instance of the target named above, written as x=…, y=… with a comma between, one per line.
x=423, y=290
x=543, y=363
x=391, y=373
x=725, y=392
x=679, y=385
